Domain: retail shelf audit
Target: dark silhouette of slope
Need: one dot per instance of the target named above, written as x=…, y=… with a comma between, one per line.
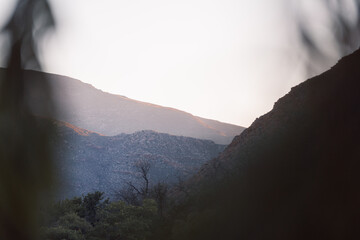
x=90, y=162
x=87, y=107
x=294, y=173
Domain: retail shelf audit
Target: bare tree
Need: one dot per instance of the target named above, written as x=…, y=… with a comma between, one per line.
x=129, y=194
x=143, y=167
x=134, y=193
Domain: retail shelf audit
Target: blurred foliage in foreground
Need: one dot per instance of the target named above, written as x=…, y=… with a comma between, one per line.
x=25, y=150
x=326, y=30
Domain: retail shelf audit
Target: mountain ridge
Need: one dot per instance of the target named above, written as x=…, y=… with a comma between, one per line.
x=82, y=105
x=87, y=162
x=294, y=98
x=294, y=173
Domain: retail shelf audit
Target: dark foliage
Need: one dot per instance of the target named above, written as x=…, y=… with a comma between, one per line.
x=90, y=206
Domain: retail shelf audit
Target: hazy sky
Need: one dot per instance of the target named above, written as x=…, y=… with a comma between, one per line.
x=220, y=59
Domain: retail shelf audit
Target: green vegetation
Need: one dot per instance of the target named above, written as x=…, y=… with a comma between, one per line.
x=92, y=217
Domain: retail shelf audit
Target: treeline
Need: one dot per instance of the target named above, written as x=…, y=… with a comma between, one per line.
x=140, y=210
x=144, y=212
x=94, y=218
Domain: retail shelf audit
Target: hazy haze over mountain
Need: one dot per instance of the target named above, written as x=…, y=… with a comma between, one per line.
x=87, y=107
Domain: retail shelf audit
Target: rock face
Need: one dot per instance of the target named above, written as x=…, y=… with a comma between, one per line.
x=90, y=162
x=87, y=107
x=296, y=168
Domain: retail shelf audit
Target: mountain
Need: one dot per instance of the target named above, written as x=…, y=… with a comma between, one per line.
x=84, y=106
x=294, y=173
x=320, y=115
x=91, y=162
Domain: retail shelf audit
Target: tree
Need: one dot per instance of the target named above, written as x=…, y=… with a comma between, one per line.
x=160, y=193
x=90, y=206
x=143, y=168
x=73, y=222
x=129, y=195
x=134, y=193
x=119, y=220
x=61, y=233
x=51, y=214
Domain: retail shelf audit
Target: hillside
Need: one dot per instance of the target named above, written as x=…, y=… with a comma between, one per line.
x=293, y=174
x=90, y=162
x=320, y=114
x=87, y=107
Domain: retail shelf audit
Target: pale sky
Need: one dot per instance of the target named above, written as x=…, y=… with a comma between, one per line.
x=220, y=59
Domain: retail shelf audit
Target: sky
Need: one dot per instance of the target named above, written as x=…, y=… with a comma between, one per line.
x=226, y=60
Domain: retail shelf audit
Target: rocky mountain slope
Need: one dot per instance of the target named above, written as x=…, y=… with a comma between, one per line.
x=87, y=107
x=90, y=162
x=294, y=173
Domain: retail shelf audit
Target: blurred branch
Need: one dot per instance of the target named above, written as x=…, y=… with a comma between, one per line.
x=331, y=33
x=25, y=150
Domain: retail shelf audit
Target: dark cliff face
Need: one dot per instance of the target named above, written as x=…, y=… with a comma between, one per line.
x=90, y=162
x=295, y=170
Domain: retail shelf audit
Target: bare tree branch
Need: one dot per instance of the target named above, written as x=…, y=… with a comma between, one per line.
x=143, y=167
